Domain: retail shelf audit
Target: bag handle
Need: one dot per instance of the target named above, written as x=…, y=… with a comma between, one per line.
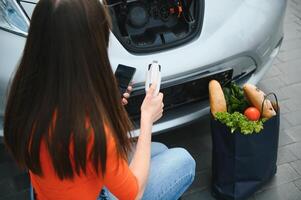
x=265, y=98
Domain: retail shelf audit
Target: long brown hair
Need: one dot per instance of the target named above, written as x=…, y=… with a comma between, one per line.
x=65, y=72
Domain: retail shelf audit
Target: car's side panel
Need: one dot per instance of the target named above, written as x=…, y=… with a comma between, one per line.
x=11, y=47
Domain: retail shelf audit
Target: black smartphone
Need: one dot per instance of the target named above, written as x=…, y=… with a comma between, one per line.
x=124, y=75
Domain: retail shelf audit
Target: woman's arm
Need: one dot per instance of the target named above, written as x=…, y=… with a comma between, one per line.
x=128, y=182
x=151, y=111
x=141, y=160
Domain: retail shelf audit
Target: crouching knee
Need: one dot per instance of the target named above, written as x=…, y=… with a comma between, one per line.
x=185, y=161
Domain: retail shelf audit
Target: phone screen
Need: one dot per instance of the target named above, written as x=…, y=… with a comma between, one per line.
x=124, y=75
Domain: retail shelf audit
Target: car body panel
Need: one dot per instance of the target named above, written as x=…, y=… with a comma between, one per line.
x=231, y=30
x=217, y=42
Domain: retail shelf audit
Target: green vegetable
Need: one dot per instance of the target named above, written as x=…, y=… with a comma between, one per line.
x=237, y=121
x=235, y=99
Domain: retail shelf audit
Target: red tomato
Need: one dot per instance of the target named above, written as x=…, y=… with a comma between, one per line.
x=252, y=113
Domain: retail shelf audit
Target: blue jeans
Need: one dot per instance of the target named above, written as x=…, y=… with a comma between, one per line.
x=171, y=173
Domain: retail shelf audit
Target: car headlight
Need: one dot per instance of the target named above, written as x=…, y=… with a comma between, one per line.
x=12, y=18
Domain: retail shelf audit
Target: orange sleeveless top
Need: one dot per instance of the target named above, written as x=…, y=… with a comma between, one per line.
x=118, y=178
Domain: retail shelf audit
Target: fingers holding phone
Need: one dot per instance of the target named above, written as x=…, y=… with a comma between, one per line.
x=126, y=95
x=124, y=75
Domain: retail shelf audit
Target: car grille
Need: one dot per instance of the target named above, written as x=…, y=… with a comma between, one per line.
x=193, y=90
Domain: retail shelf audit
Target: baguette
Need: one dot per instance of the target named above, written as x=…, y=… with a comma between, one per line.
x=256, y=97
x=216, y=98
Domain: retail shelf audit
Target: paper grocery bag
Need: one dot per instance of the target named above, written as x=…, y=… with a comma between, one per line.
x=241, y=164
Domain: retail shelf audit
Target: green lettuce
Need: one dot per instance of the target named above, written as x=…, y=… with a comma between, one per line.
x=237, y=121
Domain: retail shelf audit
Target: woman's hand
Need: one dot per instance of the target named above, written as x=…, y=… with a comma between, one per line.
x=151, y=111
x=152, y=106
x=126, y=95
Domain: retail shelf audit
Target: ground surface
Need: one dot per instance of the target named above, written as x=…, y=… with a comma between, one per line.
x=284, y=78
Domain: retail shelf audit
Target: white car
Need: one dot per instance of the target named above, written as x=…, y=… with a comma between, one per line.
x=193, y=41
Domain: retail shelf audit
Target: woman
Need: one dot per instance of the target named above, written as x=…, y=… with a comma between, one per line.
x=64, y=121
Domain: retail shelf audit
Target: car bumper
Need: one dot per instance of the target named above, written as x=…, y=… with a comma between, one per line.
x=189, y=113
